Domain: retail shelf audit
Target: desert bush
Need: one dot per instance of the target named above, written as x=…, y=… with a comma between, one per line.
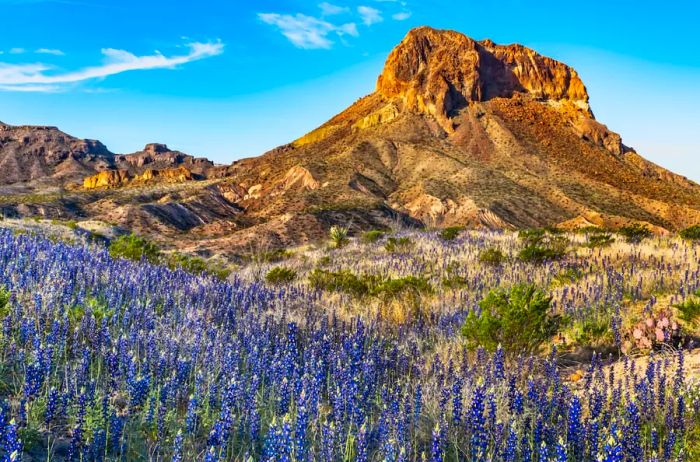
x=568, y=276
x=532, y=235
x=552, y=249
x=133, y=247
x=451, y=233
x=691, y=233
x=592, y=331
x=4, y=302
x=689, y=310
x=599, y=239
x=280, y=275
x=372, y=236
x=492, y=256
x=409, y=285
x=634, y=234
x=518, y=319
x=340, y=281
x=196, y=265
x=338, y=236
x=398, y=245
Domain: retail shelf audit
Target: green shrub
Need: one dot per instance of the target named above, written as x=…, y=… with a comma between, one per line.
x=518, y=319
x=372, y=236
x=341, y=281
x=691, y=233
x=549, y=249
x=593, y=331
x=4, y=302
x=409, y=285
x=689, y=310
x=636, y=233
x=532, y=236
x=599, y=239
x=451, y=233
x=280, y=275
x=196, y=265
x=398, y=245
x=492, y=256
x=135, y=248
x=338, y=236
x=72, y=224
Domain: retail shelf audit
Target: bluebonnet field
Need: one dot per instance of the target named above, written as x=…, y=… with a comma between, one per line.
x=104, y=359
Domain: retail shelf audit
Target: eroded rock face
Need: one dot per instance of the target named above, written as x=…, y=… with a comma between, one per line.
x=106, y=179
x=439, y=71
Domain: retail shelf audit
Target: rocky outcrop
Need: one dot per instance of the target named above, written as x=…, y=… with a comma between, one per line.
x=157, y=156
x=120, y=178
x=30, y=153
x=438, y=72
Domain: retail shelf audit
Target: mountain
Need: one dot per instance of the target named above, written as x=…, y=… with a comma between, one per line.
x=457, y=132
x=460, y=131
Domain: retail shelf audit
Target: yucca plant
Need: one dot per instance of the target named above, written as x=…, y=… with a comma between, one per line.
x=338, y=236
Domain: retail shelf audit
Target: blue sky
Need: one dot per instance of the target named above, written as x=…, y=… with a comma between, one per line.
x=232, y=79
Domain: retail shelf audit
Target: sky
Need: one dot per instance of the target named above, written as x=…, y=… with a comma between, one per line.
x=233, y=79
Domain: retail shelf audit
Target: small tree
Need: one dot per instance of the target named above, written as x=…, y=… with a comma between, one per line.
x=338, y=236
x=518, y=319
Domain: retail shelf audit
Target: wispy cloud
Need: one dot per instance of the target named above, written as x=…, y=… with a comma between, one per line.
x=369, y=15
x=49, y=51
x=17, y=51
x=401, y=16
x=42, y=77
x=307, y=31
x=328, y=9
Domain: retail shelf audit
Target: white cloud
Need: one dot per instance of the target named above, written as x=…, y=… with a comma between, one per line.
x=402, y=16
x=49, y=51
x=307, y=31
x=17, y=51
x=369, y=15
x=328, y=9
x=39, y=77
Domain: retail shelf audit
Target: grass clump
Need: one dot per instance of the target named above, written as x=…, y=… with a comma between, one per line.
x=451, y=233
x=691, y=233
x=518, y=319
x=636, y=233
x=372, y=236
x=492, y=256
x=399, y=245
x=196, y=265
x=280, y=275
x=409, y=285
x=133, y=247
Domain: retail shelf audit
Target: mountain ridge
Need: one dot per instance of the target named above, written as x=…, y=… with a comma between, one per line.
x=457, y=132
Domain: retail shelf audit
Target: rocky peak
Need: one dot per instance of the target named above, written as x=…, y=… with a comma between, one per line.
x=156, y=148
x=439, y=72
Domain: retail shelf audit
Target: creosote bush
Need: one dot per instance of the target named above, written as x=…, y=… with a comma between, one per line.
x=636, y=233
x=540, y=246
x=599, y=238
x=133, y=247
x=280, y=275
x=691, y=233
x=451, y=233
x=492, y=256
x=518, y=319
